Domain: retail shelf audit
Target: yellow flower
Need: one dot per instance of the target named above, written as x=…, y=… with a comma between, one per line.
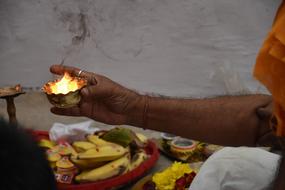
x=166, y=179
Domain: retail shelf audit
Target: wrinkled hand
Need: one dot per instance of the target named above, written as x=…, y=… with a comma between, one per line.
x=102, y=99
x=267, y=126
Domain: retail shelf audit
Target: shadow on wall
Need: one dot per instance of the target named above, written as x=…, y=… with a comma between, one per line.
x=163, y=46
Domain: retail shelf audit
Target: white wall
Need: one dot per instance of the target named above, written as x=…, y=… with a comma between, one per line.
x=171, y=47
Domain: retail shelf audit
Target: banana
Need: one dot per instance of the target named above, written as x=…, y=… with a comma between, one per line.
x=82, y=146
x=52, y=156
x=142, y=138
x=64, y=163
x=64, y=149
x=87, y=164
x=46, y=143
x=103, y=153
x=137, y=159
x=97, y=140
x=111, y=169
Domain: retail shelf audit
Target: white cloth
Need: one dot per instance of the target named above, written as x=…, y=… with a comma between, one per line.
x=71, y=132
x=240, y=168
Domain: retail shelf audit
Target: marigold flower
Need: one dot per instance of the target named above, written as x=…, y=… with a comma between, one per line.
x=166, y=179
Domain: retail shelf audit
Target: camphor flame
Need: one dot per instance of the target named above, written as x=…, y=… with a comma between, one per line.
x=66, y=84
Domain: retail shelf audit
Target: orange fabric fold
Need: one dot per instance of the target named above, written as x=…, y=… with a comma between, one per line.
x=270, y=67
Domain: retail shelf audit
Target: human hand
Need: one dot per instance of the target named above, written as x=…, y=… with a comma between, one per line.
x=267, y=126
x=102, y=99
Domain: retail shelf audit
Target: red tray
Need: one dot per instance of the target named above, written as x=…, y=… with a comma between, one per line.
x=118, y=181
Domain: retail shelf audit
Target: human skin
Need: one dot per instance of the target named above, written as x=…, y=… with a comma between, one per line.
x=230, y=120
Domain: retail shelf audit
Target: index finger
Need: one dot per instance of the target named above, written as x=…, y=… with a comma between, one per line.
x=73, y=71
x=61, y=69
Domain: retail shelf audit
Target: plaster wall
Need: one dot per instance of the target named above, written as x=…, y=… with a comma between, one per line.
x=170, y=47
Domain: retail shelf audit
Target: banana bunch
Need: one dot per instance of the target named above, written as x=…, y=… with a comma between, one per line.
x=113, y=168
x=97, y=158
x=96, y=152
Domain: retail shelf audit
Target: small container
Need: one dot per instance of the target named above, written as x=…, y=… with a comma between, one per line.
x=67, y=99
x=182, y=148
x=166, y=140
x=167, y=136
x=66, y=171
x=66, y=176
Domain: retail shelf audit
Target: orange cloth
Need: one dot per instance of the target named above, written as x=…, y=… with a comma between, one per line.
x=270, y=67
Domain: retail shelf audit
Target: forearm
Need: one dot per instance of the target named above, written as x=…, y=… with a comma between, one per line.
x=228, y=120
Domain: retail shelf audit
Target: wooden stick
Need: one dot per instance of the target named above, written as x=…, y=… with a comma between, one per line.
x=11, y=109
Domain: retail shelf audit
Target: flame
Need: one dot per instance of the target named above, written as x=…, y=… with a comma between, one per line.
x=65, y=84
